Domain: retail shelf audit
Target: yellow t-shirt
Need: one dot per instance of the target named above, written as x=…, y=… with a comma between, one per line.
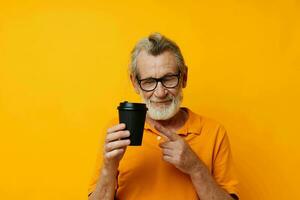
x=143, y=174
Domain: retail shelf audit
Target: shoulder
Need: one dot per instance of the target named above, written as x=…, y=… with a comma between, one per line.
x=206, y=126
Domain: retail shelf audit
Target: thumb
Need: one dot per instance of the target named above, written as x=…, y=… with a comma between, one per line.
x=166, y=133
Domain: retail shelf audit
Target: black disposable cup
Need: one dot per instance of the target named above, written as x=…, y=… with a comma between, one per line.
x=133, y=115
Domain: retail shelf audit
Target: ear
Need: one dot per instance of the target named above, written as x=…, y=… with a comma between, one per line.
x=184, y=78
x=134, y=84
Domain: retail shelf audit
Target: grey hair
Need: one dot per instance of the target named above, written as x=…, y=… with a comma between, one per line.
x=156, y=44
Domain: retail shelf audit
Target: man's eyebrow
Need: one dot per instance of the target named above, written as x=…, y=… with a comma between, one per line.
x=139, y=77
x=171, y=73
x=167, y=74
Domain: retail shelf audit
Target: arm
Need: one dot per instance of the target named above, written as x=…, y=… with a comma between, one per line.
x=114, y=149
x=205, y=185
x=106, y=185
x=177, y=152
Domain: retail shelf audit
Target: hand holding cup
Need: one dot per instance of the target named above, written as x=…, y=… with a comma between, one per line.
x=115, y=145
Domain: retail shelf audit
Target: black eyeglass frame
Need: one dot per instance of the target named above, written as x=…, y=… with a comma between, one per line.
x=160, y=80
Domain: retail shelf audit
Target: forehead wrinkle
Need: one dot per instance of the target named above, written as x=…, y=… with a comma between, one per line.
x=156, y=66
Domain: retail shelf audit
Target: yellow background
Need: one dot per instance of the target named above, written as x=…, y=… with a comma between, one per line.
x=63, y=71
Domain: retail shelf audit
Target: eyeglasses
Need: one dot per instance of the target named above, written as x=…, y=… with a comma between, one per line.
x=168, y=81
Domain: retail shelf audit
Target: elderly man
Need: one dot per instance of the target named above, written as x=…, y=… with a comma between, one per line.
x=183, y=156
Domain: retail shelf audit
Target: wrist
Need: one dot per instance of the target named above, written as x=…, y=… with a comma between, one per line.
x=198, y=170
x=109, y=169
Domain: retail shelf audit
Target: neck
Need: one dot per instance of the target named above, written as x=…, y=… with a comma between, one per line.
x=174, y=123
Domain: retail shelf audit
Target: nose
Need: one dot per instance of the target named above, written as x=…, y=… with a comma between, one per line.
x=160, y=91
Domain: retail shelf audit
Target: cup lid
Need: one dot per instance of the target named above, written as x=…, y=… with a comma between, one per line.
x=132, y=106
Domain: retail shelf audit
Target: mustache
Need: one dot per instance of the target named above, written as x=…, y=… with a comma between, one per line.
x=160, y=100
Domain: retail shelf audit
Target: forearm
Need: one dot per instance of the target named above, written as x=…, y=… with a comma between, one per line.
x=105, y=188
x=114, y=149
x=205, y=185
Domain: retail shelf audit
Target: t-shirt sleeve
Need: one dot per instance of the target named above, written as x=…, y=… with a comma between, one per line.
x=223, y=167
x=99, y=158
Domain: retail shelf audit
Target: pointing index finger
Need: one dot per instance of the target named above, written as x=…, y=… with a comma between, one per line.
x=166, y=133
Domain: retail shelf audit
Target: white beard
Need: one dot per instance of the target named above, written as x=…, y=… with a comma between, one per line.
x=164, y=112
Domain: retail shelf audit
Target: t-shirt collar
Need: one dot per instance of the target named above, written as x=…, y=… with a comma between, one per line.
x=192, y=125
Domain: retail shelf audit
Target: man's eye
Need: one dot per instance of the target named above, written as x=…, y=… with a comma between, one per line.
x=167, y=78
x=148, y=81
